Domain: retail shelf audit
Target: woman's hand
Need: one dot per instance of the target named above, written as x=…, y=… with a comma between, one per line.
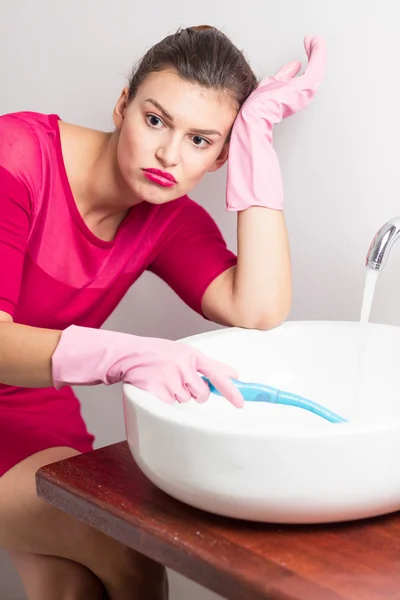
x=169, y=370
x=254, y=177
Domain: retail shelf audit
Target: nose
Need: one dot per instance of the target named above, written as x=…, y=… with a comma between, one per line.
x=168, y=152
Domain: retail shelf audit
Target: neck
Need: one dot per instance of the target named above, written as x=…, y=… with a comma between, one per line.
x=106, y=193
x=91, y=162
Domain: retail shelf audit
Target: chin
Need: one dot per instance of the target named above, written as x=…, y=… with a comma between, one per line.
x=158, y=195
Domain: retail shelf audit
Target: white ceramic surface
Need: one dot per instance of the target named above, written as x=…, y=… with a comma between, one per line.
x=277, y=463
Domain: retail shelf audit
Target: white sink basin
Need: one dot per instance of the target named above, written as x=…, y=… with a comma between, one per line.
x=277, y=463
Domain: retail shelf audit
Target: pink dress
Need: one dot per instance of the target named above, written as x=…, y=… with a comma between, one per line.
x=55, y=272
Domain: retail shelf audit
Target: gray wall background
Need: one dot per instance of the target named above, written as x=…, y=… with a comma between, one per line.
x=339, y=158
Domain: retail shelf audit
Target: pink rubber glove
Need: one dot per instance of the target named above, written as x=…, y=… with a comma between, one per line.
x=254, y=176
x=86, y=356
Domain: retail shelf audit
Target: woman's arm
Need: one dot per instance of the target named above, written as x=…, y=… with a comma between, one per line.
x=25, y=354
x=257, y=293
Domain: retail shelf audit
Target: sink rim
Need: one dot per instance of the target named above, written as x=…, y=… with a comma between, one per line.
x=161, y=411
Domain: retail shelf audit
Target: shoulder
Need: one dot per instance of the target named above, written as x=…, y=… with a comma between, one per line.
x=183, y=223
x=25, y=138
x=182, y=211
x=26, y=127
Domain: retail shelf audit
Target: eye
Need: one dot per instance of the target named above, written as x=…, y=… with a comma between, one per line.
x=197, y=141
x=154, y=121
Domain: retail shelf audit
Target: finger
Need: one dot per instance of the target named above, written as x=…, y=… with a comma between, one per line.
x=163, y=394
x=174, y=389
x=181, y=391
x=223, y=384
x=199, y=390
x=184, y=395
x=316, y=51
x=167, y=399
x=223, y=368
x=289, y=70
x=158, y=389
x=307, y=44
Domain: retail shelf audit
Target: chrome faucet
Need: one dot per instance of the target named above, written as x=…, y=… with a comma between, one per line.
x=382, y=244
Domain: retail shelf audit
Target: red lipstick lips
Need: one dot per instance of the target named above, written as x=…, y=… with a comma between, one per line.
x=160, y=177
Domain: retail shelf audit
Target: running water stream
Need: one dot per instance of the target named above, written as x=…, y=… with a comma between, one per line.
x=369, y=290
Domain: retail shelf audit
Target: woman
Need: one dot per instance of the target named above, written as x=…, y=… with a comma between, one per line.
x=82, y=214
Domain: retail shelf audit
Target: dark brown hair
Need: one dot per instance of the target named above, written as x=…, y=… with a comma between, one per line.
x=202, y=55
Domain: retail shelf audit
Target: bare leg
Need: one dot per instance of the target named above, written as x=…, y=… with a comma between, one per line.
x=29, y=525
x=50, y=577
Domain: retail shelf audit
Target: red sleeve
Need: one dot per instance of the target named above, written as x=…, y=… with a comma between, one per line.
x=193, y=254
x=15, y=215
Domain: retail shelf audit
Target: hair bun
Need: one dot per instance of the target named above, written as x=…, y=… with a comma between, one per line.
x=201, y=27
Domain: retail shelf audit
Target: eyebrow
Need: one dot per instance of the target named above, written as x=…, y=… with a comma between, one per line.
x=168, y=116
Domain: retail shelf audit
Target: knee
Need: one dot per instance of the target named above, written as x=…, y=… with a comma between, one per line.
x=81, y=586
x=49, y=577
x=130, y=574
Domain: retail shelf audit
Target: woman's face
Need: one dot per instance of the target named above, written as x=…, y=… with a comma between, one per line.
x=171, y=127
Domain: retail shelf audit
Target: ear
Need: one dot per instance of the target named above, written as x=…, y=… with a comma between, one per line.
x=221, y=160
x=120, y=107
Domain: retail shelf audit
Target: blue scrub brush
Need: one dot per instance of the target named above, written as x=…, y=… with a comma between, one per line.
x=258, y=392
